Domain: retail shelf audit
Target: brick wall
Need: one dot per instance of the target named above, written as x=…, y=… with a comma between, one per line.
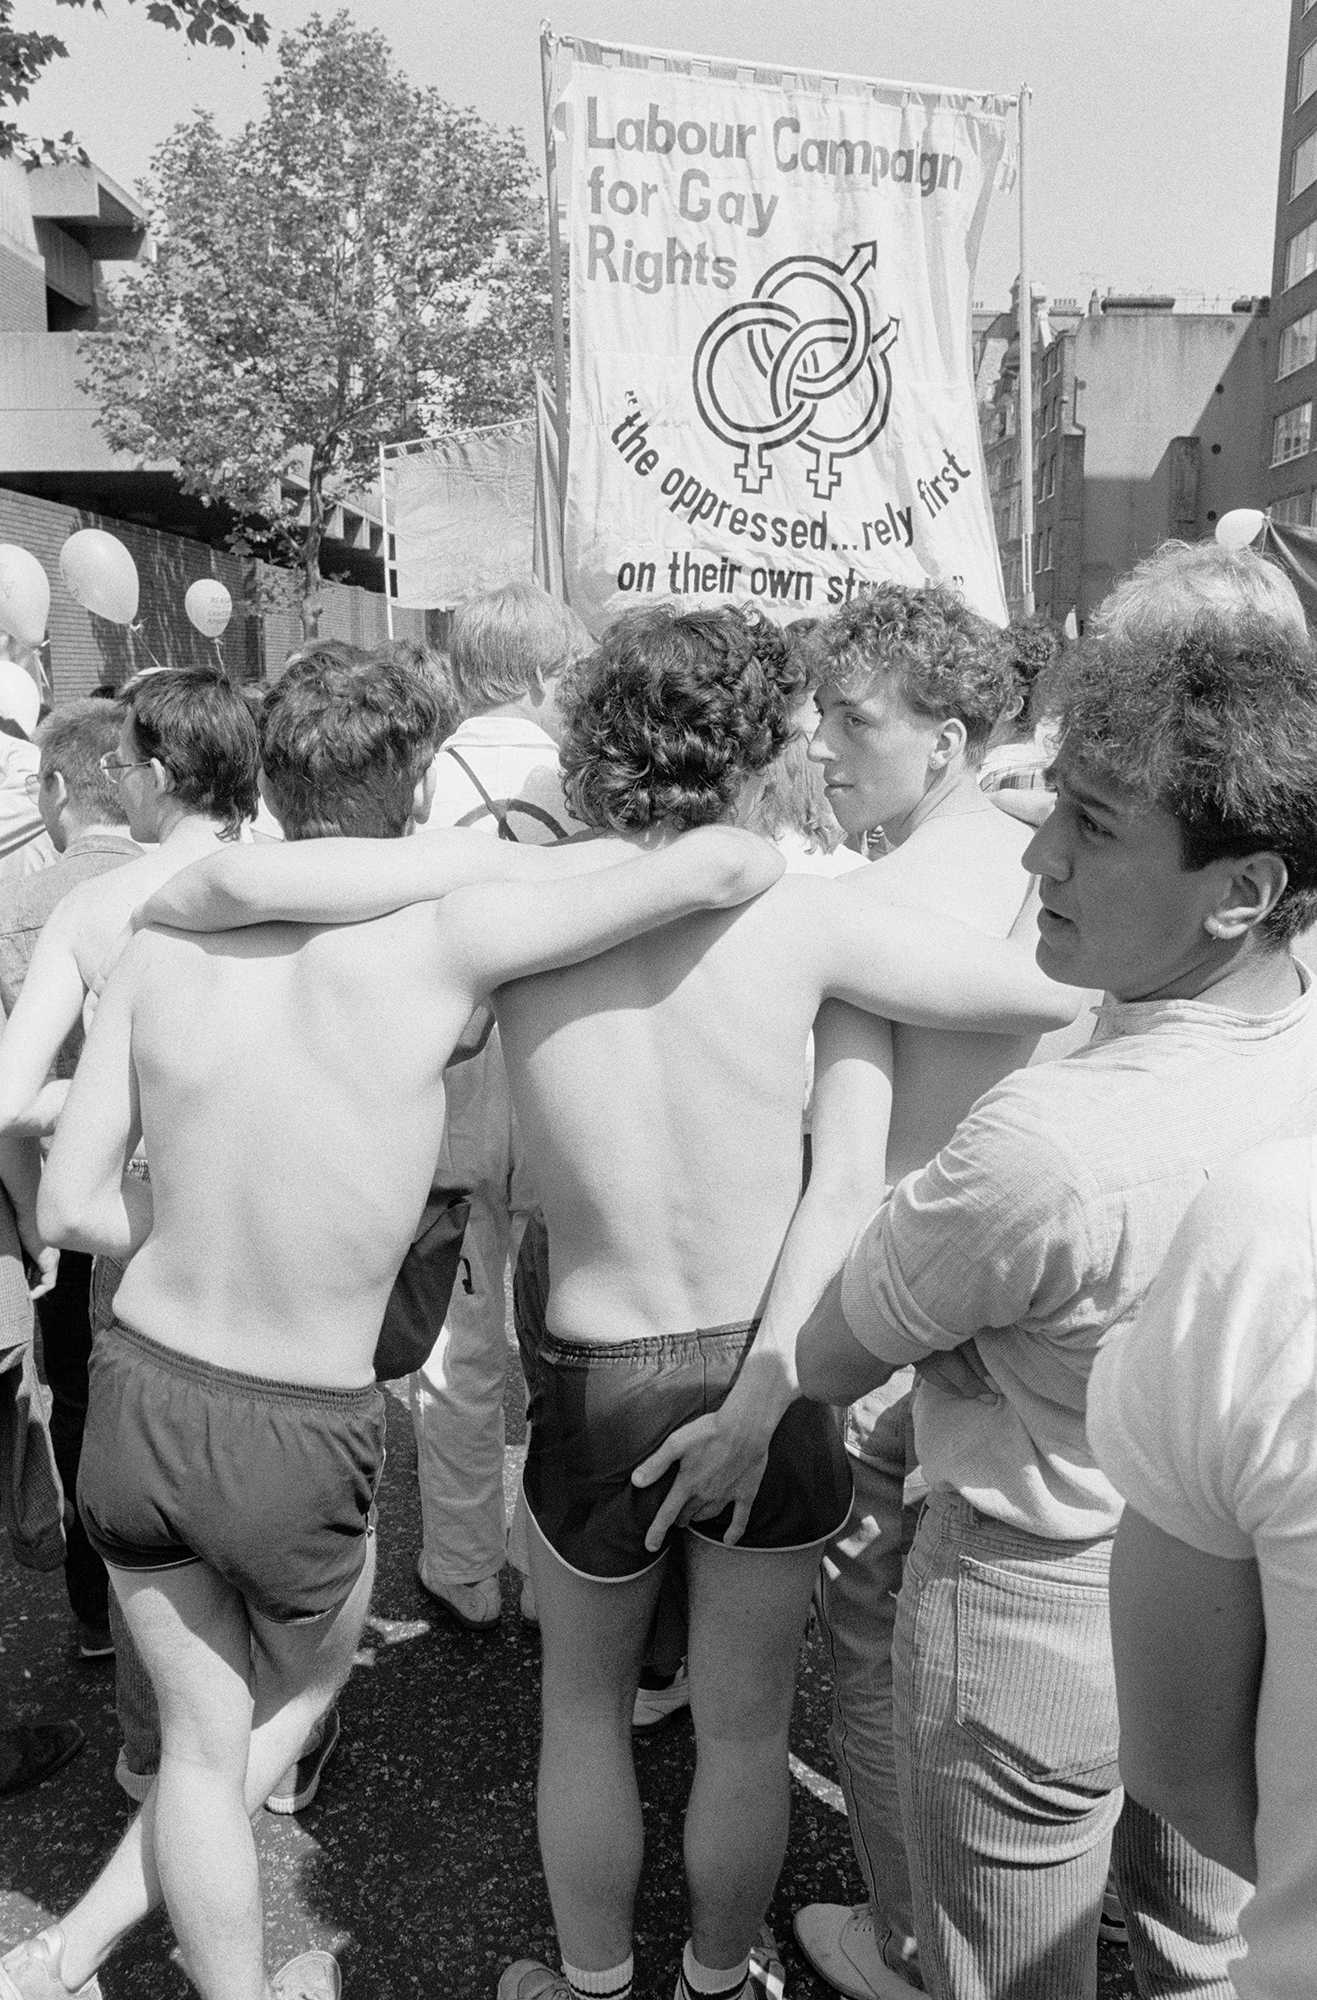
x=86, y=650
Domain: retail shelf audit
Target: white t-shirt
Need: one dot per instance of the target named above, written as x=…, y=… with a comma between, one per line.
x=1204, y=1415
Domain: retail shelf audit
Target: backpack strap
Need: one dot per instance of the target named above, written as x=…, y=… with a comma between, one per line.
x=504, y=825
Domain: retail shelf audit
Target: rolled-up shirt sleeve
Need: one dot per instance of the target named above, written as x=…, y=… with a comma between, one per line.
x=993, y=1233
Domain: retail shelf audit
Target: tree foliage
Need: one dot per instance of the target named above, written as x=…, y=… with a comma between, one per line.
x=24, y=54
x=363, y=263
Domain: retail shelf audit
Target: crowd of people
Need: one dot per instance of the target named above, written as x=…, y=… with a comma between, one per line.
x=878, y=1053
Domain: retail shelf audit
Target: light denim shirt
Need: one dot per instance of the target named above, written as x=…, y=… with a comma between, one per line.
x=1039, y=1228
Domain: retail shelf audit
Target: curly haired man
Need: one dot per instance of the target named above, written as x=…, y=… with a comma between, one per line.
x=1178, y=866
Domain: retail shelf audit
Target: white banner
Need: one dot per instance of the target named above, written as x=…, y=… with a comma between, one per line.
x=772, y=369
x=462, y=511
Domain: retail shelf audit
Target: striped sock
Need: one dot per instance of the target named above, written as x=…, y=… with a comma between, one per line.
x=700, y=1982
x=614, y=1984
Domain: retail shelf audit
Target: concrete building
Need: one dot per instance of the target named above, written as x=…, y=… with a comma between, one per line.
x=1289, y=469
x=65, y=232
x=1146, y=413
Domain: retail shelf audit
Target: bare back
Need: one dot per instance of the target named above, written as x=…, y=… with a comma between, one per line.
x=291, y=1096
x=659, y=1091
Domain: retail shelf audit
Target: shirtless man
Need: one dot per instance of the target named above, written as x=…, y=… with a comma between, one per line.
x=185, y=768
x=659, y=1096
x=289, y=1087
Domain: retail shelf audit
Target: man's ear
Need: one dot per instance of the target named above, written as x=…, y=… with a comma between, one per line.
x=163, y=776
x=949, y=743
x=1251, y=887
x=57, y=791
x=423, y=796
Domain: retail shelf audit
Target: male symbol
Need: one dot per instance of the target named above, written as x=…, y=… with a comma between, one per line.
x=786, y=347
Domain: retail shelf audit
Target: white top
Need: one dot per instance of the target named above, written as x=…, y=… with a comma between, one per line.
x=1204, y=1415
x=1038, y=1229
x=517, y=763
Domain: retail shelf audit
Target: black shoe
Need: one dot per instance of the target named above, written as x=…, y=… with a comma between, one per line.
x=33, y=1750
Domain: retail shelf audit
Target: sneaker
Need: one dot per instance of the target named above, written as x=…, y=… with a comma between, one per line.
x=1112, y=1927
x=844, y=1947
x=528, y=1607
x=31, y=1751
x=136, y=1783
x=301, y=1781
x=656, y=1706
x=478, y=1606
x=31, y=1971
x=313, y=1975
x=95, y=1642
x=528, y=1979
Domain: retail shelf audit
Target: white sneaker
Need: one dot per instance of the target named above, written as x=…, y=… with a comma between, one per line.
x=529, y=1611
x=655, y=1706
x=478, y=1606
x=844, y=1947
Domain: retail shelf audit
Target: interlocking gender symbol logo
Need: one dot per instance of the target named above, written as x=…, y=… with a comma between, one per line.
x=809, y=354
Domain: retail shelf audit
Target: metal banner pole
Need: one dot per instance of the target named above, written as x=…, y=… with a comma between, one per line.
x=1026, y=372
x=384, y=518
x=555, y=287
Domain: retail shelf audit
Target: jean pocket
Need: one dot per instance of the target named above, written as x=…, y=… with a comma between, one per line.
x=1035, y=1680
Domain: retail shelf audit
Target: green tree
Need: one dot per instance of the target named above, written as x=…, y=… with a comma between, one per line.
x=363, y=263
x=24, y=54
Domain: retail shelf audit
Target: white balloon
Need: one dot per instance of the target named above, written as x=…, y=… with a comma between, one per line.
x=101, y=574
x=1240, y=526
x=208, y=605
x=24, y=595
x=20, y=699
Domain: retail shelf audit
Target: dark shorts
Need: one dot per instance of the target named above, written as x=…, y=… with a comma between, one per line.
x=597, y=1411
x=272, y=1484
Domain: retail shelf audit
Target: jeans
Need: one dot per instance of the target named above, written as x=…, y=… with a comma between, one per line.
x=1006, y=1743
x=65, y=1316
x=861, y=1578
x=457, y=1397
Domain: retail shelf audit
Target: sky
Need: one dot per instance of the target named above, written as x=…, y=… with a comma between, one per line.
x=1154, y=133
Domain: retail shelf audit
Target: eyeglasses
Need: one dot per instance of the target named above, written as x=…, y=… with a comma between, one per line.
x=113, y=767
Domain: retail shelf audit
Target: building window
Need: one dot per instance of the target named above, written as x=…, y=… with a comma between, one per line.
x=1294, y=511
x=1047, y=551
x=1304, y=170
x=1298, y=344
x=1291, y=433
x=1301, y=252
x=1307, y=73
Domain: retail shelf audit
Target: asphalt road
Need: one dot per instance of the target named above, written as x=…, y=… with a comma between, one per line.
x=417, y=1862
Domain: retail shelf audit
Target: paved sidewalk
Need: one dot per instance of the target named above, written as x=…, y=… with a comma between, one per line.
x=417, y=1863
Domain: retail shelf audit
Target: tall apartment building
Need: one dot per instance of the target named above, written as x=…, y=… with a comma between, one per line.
x=1146, y=414
x=1289, y=469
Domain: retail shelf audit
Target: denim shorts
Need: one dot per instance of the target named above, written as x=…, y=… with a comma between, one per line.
x=597, y=1411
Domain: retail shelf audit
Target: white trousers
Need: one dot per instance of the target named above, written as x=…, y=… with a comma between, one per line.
x=457, y=1397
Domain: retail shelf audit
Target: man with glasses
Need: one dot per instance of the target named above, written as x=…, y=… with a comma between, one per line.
x=84, y=816
x=182, y=771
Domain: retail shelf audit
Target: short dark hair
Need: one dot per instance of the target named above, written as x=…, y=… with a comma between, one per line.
x=412, y=657
x=72, y=740
x=1216, y=725
x=672, y=712
x=944, y=659
x=1033, y=644
x=195, y=721
x=343, y=746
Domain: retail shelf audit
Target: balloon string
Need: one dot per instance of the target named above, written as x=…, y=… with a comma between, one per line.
x=136, y=631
